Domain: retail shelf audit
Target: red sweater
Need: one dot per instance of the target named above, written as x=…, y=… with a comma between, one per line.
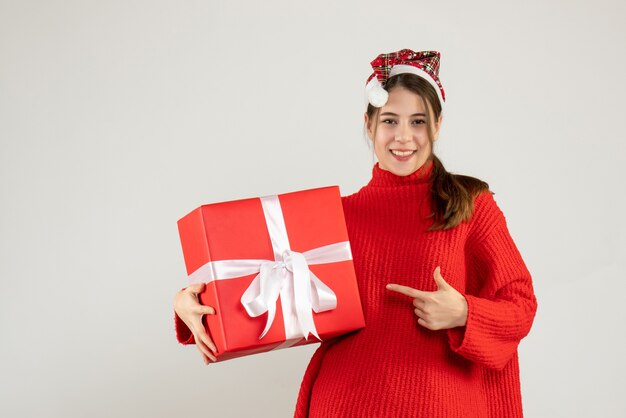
x=394, y=367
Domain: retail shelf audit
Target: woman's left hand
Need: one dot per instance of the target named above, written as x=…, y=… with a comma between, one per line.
x=442, y=309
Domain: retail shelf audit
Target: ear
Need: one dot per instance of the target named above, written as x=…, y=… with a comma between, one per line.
x=367, y=125
x=438, y=127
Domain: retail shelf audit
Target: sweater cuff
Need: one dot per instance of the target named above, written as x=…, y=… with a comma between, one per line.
x=484, y=339
x=183, y=333
x=457, y=336
x=460, y=338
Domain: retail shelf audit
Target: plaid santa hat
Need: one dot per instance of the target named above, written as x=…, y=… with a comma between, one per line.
x=422, y=63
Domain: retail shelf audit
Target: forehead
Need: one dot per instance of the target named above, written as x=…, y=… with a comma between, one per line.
x=403, y=101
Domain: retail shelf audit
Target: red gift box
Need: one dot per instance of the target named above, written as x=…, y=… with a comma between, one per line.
x=278, y=269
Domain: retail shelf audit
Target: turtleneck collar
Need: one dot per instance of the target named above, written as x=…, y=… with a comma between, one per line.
x=385, y=178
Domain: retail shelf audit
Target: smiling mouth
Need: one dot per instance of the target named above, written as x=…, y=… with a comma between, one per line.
x=402, y=153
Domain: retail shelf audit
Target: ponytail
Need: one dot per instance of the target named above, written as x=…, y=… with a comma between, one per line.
x=452, y=196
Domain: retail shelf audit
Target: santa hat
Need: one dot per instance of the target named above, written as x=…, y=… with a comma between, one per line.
x=422, y=63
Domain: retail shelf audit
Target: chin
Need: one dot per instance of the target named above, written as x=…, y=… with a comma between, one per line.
x=405, y=172
x=400, y=171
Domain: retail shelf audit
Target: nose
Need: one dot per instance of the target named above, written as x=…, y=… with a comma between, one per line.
x=403, y=134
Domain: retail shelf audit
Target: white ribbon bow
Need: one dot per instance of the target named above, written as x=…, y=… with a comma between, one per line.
x=288, y=275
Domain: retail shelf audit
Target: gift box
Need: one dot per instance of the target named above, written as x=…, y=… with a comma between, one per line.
x=278, y=270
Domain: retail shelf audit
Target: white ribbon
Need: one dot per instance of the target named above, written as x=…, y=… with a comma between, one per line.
x=288, y=275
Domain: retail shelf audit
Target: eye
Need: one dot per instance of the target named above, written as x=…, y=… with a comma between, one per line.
x=389, y=120
x=419, y=121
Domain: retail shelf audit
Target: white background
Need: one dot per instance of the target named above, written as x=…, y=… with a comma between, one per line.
x=119, y=117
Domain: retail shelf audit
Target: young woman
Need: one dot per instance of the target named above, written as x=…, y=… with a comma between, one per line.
x=445, y=293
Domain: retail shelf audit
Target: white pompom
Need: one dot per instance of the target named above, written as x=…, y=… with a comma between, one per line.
x=377, y=95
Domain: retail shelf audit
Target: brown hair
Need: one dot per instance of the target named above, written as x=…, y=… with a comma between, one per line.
x=452, y=195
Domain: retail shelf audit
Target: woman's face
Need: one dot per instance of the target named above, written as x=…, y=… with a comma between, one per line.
x=401, y=142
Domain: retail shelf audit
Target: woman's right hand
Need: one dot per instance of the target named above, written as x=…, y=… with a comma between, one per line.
x=191, y=311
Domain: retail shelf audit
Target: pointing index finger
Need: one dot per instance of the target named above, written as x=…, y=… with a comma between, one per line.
x=406, y=290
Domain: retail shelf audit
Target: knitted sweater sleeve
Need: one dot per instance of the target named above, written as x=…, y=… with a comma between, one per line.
x=499, y=293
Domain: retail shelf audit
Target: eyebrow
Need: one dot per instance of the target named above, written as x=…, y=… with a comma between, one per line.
x=393, y=114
